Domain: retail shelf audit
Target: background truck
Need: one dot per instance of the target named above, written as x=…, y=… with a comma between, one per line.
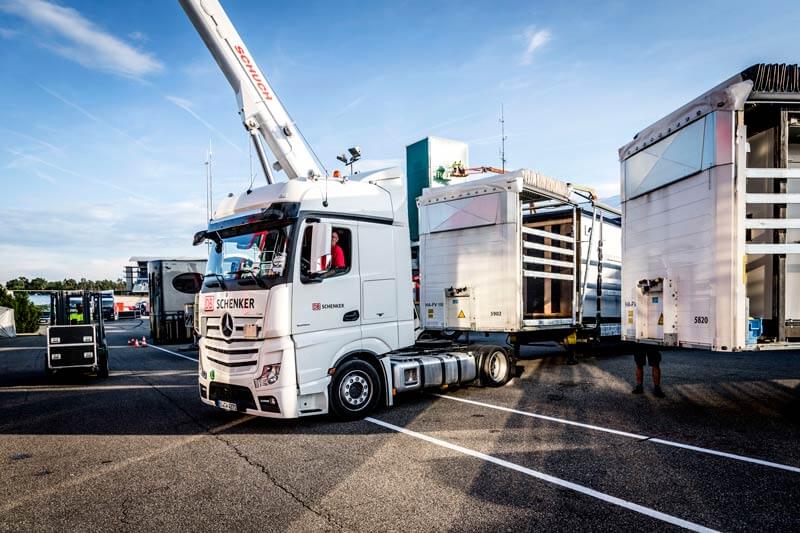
x=289, y=332
x=173, y=283
x=711, y=219
x=108, y=305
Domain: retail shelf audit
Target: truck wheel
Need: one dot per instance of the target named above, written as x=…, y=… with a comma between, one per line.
x=497, y=366
x=355, y=390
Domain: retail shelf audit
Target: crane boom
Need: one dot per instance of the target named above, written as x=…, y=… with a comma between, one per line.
x=259, y=107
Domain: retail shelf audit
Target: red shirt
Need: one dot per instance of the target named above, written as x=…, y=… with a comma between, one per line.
x=337, y=254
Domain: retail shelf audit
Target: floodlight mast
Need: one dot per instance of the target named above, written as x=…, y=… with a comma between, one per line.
x=259, y=107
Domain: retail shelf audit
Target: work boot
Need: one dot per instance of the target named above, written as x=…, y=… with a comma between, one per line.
x=638, y=389
x=657, y=392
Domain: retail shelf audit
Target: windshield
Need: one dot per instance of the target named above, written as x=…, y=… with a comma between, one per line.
x=108, y=302
x=250, y=254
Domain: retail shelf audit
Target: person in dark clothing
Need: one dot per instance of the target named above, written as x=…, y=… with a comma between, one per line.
x=653, y=358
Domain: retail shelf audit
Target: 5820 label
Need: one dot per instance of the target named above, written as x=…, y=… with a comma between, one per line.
x=701, y=320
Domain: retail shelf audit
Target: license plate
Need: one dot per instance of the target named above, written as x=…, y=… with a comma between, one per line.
x=228, y=406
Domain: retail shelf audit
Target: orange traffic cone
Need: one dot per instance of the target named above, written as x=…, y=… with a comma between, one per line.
x=136, y=343
x=144, y=341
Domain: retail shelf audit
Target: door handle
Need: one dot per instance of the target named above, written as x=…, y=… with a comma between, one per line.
x=351, y=316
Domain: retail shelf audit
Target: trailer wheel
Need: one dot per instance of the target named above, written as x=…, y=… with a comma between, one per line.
x=497, y=367
x=355, y=390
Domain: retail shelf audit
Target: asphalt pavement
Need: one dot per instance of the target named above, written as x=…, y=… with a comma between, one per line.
x=562, y=447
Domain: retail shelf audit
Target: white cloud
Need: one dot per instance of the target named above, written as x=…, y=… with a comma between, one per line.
x=7, y=33
x=42, y=241
x=80, y=40
x=534, y=39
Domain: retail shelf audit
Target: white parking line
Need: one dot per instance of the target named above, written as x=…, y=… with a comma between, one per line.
x=626, y=434
x=173, y=353
x=652, y=513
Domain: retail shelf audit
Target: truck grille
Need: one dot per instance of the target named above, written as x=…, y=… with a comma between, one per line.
x=237, y=355
x=211, y=329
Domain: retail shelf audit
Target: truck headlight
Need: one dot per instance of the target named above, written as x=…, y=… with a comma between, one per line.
x=269, y=375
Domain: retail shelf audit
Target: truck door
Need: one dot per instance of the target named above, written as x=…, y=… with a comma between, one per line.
x=326, y=310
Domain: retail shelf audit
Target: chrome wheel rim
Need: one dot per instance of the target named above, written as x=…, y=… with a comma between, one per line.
x=498, y=366
x=355, y=390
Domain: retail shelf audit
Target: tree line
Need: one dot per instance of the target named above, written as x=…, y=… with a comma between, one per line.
x=68, y=284
x=26, y=314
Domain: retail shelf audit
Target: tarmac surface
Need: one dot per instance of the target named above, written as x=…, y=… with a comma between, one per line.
x=563, y=447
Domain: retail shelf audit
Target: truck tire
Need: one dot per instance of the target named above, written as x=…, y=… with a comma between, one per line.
x=355, y=390
x=496, y=367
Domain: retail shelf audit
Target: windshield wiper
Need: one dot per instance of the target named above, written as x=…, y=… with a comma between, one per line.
x=220, y=279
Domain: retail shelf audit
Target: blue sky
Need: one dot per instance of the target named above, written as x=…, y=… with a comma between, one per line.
x=107, y=108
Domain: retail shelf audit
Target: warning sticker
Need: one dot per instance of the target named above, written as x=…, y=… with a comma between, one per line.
x=430, y=313
x=630, y=317
x=461, y=314
x=661, y=319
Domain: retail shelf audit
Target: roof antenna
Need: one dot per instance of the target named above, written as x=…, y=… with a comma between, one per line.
x=502, y=139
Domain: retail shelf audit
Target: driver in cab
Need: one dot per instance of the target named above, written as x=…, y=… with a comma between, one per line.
x=337, y=254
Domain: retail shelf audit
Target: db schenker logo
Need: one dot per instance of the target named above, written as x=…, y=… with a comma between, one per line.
x=317, y=306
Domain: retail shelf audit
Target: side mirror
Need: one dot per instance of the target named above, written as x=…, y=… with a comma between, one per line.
x=320, y=246
x=188, y=282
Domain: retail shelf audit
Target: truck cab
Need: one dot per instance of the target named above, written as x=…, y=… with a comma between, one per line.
x=278, y=318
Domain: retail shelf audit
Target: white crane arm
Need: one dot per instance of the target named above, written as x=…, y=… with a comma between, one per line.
x=258, y=105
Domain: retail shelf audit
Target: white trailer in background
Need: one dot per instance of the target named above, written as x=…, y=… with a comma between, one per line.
x=711, y=219
x=519, y=253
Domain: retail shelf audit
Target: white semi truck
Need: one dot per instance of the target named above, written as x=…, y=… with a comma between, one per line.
x=302, y=325
x=307, y=303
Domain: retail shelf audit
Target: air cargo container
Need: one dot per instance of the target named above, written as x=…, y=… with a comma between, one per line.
x=711, y=219
x=520, y=253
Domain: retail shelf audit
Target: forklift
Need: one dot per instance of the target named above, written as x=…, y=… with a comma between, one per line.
x=76, y=336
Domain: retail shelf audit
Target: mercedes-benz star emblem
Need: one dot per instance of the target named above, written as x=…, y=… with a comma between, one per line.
x=226, y=325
